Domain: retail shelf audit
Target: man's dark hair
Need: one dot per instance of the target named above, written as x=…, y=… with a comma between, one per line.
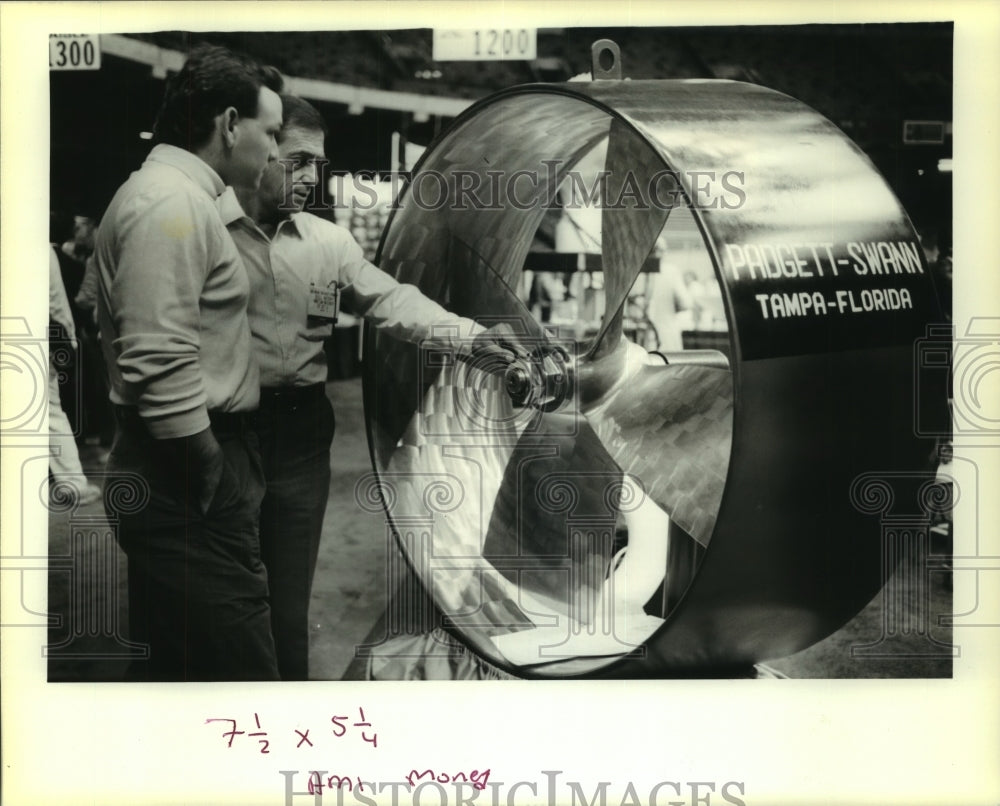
x=300, y=114
x=212, y=79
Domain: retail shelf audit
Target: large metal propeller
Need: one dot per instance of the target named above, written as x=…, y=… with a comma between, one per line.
x=533, y=494
x=558, y=435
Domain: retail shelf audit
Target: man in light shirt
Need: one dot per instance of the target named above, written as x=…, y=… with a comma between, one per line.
x=295, y=260
x=64, y=463
x=172, y=312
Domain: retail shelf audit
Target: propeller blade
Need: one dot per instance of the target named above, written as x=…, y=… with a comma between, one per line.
x=631, y=220
x=554, y=518
x=670, y=426
x=480, y=287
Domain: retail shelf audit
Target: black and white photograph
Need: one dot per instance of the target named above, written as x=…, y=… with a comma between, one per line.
x=419, y=386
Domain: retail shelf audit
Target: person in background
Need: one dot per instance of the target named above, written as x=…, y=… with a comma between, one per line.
x=97, y=403
x=73, y=253
x=171, y=305
x=97, y=418
x=64, y=461
x=295, y=260
x=72, y=238
x=669, y=303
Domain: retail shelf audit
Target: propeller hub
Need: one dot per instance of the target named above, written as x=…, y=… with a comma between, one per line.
x=517, y=382
x=543, y=381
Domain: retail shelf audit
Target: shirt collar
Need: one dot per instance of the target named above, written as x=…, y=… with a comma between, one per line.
x=231, y=211
x=191, y=165
x=293, y=224
x=229, y=206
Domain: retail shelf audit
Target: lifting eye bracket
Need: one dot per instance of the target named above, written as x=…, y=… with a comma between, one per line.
x=606, y=59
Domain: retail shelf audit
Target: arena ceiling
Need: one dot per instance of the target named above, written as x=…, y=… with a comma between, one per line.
x=866, y=78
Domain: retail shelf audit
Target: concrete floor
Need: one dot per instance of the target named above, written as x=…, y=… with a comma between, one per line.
x=902, y=628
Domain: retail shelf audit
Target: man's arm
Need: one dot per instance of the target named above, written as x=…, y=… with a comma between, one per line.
x=59, y=310
x=162, y=262
x=399, y=309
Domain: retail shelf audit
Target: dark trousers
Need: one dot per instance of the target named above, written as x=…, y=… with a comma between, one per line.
x=196, y=582
x=98, y=418
x=295, y=426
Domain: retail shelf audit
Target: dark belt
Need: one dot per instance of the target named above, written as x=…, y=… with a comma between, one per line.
x=290, y=396
x=222, y=421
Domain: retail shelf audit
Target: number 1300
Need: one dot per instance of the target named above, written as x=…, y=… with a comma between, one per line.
x=72, y=53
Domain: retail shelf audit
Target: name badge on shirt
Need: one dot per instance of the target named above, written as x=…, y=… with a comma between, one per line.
x=324, y=303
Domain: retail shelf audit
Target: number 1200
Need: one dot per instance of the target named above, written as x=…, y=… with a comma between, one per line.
x=494, y=42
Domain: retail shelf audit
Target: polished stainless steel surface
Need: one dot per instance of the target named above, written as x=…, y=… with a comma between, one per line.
x=543, y=519
x=630, y=228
